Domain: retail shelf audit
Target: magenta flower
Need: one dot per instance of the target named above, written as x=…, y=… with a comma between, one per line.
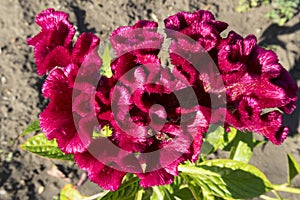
x=57, y=119
x=53, y=47
x=201, y=26
x=157, y=116
x=252, y=76
x=54, y=40
x=127, y=103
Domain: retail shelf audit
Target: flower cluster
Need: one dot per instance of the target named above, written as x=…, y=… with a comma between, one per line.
x=252, y=76
x=155, y=122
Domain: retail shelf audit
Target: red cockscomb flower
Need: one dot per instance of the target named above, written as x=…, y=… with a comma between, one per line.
x=157, y=116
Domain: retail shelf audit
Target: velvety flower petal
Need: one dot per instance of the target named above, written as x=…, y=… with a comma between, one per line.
x=156, y=116
x=57, y=119
x=46, y=61
x=200, y=25
x=249, y=110
x=106, y=177
x=52, y=46
x=269, y=95
x=285, y=81
x=249, y=118
x=265, y=63
x=234, y=52
x=104, y=91
x=141, y=38
x=50, y=19
x=273, y=130
x=83, y=99
x=85, y=43
x=159, y=177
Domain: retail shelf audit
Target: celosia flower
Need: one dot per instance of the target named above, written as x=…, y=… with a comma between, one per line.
x=54, y=47
x=252, y=76
x=54, y=40
x=200, y=26
x=251, y=72
x=68, y=104
x=152, y=129
x=127, y=103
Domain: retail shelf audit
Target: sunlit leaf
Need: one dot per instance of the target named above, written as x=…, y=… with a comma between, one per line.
x=217, y=138
x=228, y=179
x=241, y=152
x=106, y=132
x=213, y=139
x=242, y=147
x=105, y=69
x=34, y=126
x=69, y=192
x=41, y=146
x=294, y=168
x=127, y=191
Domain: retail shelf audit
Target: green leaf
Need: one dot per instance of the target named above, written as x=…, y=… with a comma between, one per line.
x=106, y=132
x=34, y=126
x=105, y=69
x=161, y=193
x=70, y=193
x=228, y=179
x=41, y=146
x=195, y=189
x=242, y=147
x=242, y=152
x=217, y=139
x=127, y=191
x=228, y=138
x=294, y=168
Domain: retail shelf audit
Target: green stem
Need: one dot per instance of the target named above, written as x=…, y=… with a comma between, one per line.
x=267, y=197
x=96, y=196
x=284, y=188
x=276, y=194
x=160, y=196
x=139, y=195
x=194, y=193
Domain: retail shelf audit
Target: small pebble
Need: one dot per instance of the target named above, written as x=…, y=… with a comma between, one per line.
x=41, y=189
x=154, y=17
x=258, y=30
x=3, y=80
x=3, y=193
x=22, y=182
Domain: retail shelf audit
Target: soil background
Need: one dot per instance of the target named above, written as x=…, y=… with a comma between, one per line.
x=26, y=176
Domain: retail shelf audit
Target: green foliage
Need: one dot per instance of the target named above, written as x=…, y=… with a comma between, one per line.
x=245, y=5
x=241, y=148
x=106, y=131
x=215, y=139
x=239, y=144
x=217, y=179
x=41, y=146
x=226, y=179
x=293, y=168
x=34, y=126
x=176, y=190
x=283, y=10
x=69, y=192
x=105, y=69
x=127, y=191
